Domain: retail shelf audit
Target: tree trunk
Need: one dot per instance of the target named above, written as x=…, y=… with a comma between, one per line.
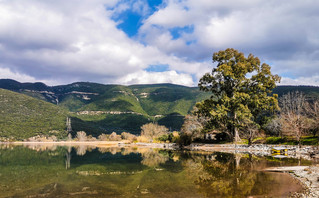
x=249, y=141
x=236, y=135
x=235, y=131
x=299, y=138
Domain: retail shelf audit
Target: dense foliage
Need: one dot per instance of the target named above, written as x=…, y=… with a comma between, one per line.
x=240, y=89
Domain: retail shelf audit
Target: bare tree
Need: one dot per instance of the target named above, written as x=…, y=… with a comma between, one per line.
x=152, y=130
x=193, y=126
x=128, y=136
x=103, y=137
x=273, y=127
x=313, y=112
x=293, y=115
x=114, y=137
x=81, y=136
x=249, y=131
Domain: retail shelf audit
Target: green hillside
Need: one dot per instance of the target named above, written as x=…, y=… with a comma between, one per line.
x=97, y=124
x=165, y=103
x=149, y=100
x=97, y=108
x=165, y=99
x=23, y=116
x=311, y=92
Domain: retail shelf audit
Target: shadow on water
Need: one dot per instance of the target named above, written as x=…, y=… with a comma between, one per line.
x=88, y=171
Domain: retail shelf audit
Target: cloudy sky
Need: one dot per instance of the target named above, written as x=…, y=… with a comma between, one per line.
x=154, y=41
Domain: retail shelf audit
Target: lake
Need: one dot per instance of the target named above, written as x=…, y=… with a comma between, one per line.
x=87, y=171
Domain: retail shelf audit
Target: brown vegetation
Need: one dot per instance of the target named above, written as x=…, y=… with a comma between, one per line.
x=294, y=115
x=81, y=136
x=152, y=130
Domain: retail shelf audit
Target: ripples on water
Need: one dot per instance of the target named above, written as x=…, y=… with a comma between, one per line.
x=87, y=171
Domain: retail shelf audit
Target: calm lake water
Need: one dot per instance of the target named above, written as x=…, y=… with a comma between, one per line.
x=54, y=171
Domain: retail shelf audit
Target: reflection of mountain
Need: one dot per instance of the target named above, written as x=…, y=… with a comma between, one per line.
x=119, y=172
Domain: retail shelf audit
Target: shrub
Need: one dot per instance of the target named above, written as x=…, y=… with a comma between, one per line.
x=128, y=136
x=165, y=138
x=103, y=137
x=114, y=137
x=152, y=130
x=275, y=140
x=142, y=139
x=184, y=140
x=91, y=138
x=81, y=136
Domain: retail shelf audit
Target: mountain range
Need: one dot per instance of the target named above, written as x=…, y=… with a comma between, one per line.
x=98, y=108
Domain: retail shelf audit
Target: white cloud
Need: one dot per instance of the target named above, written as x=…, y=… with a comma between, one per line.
x=144, y=77
x=313, y=80
x=174, y=15
x=78, y=40
x=44, y=40
x=141, y=7
x=7, y=73
x=283, y=34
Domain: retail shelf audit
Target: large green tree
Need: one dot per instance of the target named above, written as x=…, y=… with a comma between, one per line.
x=241, y=92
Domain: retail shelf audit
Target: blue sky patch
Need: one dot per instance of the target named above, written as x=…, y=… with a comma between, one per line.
x=177, y=32
x=131, y=20
x=131, y=23
x=288, y=75
x=154, y=3
x=157, y=68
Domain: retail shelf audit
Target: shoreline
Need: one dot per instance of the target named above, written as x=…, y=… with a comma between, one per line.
x=69, y=142
x=98, y=144
x=305, y=152
x=308, y=178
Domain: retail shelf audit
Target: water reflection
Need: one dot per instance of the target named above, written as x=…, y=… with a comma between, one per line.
x=36, y=170
x=153, y=158
x=68, y=158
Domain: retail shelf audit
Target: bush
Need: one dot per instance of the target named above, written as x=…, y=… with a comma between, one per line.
x=42, y=138
x=184, y=140
x=115, y=137
x=275, y=140
x=128, y=136
x=81, y=136
x=175, y=137
x=172, y=137
x=165, y=138
x=103, y=137
x=91, y=138
x=152, y=130
x=309, y=140
x=142, y=139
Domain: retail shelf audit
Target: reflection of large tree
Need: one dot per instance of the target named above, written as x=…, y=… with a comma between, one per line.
x=221, y=177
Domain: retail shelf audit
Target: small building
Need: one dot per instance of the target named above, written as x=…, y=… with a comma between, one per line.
x=279, y=150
